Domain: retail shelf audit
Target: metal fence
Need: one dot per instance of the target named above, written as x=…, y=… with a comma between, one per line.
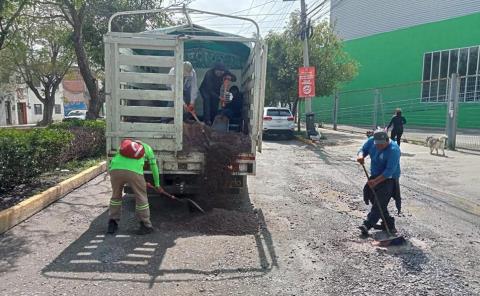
x=432, y=108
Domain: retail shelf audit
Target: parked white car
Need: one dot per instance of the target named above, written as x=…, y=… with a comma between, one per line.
x=76, y=114
x=278, y=121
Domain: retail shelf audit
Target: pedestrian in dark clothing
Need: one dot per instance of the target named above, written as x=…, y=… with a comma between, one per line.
x=210, y=90
x=385, y=173
x=233, y=110
x=397, y=121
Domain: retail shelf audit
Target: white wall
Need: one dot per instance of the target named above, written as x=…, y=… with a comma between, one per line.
x=360, y=18
x=7, y=94
x=32, y=100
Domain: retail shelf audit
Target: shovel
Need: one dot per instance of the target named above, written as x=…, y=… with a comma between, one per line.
x=182, y=200
x=391, y=239
x=201, y=124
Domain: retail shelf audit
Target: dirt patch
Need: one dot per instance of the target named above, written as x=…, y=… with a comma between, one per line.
x=42, y=183
x=198, y=137
x=221, y=150
x=224, y=222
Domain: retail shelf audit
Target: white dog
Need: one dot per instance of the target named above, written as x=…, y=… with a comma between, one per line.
x=435, y=143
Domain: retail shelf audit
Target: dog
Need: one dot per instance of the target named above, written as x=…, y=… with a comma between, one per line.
x=435, y=143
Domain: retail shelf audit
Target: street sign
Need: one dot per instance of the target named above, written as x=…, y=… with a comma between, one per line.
x=306, y=82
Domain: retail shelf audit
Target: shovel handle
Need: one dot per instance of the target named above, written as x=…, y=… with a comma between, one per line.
x=161, y=192
x=365, y=170
x=378, y=203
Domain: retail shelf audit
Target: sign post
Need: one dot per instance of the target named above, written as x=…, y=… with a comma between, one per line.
x=306, y=89
x=306, y=82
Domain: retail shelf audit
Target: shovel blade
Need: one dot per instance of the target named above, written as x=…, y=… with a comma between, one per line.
x=391, y=241
x=194, y=204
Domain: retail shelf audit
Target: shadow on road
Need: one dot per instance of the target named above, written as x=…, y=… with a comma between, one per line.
x=413, y=258
x=11, y=248
x=127, y=257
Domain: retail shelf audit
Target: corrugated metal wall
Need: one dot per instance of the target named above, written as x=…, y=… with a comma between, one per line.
x=359, y=18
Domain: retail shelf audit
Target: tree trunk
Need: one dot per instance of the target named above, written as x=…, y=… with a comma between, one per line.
x=48, y=106
x=96, y=101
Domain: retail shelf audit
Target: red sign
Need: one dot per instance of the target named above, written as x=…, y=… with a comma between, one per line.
x=306, y=82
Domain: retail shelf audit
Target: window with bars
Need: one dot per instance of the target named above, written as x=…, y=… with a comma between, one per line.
x=58, y=109
x=37, y=109
x=439, y=65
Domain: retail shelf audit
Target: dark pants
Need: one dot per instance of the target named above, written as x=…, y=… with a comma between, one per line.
x=396, y=135
x=210, y=107
x=384, y=192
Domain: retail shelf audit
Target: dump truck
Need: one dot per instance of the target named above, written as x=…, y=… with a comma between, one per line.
x=144, y=99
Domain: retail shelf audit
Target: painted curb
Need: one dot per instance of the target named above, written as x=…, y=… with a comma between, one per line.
x=29, y=207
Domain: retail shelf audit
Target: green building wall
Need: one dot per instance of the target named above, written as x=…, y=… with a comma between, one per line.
x=392, y=62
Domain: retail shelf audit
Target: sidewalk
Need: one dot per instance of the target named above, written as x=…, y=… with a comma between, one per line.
x=468, y=139
x=19, y=126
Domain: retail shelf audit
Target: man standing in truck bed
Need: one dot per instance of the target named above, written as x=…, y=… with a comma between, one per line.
x=126, y=167
x=210, y=90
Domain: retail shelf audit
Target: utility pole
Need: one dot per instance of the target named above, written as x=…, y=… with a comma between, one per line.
x=335, y=111
x=304, y=35
x=306, y=62
x=452, y=110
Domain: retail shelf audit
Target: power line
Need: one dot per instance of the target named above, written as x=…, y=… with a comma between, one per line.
x=265, y=17
x=321, y=5
x=243, y=10
x=287, y=11
x=248, y=13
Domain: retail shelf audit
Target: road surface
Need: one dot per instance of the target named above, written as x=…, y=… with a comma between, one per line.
x=292, y=233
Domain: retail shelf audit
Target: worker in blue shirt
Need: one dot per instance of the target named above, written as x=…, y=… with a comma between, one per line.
x=384, y=176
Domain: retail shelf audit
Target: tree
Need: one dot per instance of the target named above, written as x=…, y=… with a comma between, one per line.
x=333, y=65
x=10, y=11
x=42, y=53
x=89, y=19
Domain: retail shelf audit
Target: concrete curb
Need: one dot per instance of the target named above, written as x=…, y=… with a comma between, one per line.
x=306, y=141
x=29, y=207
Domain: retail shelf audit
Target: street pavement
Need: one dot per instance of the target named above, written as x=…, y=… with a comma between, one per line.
x=305, y=202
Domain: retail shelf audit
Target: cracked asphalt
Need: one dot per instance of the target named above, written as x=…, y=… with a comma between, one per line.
x=293, y=232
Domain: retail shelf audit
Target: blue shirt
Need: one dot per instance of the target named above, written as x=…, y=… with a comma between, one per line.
x=385, y=162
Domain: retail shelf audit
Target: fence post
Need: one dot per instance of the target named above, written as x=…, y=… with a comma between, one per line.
x=375, y=107
x=452, y=110
x=335, y=111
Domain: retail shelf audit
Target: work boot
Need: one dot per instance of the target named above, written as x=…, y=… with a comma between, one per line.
x=144, y=229
x=112, y=226
x=363, y=230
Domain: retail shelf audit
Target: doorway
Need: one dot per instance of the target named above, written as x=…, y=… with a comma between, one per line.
x=22, y=113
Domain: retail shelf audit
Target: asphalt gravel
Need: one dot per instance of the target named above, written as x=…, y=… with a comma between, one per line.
x=292, y=232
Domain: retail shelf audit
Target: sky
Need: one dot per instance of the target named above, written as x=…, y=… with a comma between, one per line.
x=271, y=15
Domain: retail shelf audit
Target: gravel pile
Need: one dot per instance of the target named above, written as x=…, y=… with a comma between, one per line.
x=222, y=222
x=221, y=149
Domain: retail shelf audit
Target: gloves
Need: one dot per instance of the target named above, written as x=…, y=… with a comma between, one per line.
x=367, y=193
x=366, y=200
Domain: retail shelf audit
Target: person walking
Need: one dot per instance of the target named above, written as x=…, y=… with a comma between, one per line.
x=384, y=178
x=397, y=122
x=126, y=167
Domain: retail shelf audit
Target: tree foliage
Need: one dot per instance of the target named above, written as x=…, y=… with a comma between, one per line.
x=10, y=11
x=333, y=65
x=42, y=54
x=88, y=20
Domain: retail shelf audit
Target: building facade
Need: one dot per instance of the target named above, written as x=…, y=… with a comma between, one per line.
x=406, y=51
x=19, y=105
